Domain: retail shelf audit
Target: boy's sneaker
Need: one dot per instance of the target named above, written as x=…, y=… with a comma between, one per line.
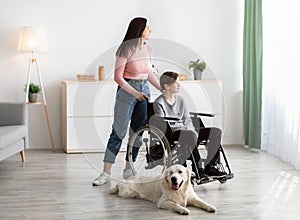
x=127, y=173
x=102, y=179
x=202, y=174
x=213, y=172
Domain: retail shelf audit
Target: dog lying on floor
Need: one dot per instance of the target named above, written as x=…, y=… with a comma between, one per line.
x=171, y=190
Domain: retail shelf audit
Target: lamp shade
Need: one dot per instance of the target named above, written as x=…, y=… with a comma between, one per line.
x=33, y=39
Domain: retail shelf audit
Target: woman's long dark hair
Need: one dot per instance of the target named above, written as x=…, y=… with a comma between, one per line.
x=132, y=37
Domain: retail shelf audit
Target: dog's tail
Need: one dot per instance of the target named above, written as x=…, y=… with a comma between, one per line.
x=115, y=189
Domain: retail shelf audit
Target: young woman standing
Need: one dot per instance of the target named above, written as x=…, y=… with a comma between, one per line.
x=133, y=70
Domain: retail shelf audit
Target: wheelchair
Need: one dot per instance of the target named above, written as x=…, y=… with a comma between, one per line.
x=152, y=149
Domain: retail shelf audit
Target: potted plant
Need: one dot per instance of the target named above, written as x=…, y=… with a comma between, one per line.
x=33, y=91
x=198, y=67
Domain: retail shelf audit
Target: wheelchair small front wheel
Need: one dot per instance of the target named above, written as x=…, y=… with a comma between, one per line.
x=148, y=152
x=222, y=181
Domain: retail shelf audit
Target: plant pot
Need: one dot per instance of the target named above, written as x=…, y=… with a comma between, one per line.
x=32, y=97
x=197, y=74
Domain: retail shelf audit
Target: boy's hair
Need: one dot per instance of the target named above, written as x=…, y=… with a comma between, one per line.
x=167, y=78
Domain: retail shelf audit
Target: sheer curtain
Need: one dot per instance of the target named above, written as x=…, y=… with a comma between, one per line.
x=281, y=80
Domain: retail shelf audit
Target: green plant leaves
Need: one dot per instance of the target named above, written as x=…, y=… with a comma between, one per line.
x=34, y=88
x=200, y=65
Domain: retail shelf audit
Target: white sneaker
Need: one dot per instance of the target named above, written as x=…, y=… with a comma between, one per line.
x=127, y=173
x=102, y=179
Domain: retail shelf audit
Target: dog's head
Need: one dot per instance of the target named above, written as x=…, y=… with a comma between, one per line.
x=177, y=177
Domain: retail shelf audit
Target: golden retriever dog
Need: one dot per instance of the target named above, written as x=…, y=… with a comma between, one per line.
x=171, y=190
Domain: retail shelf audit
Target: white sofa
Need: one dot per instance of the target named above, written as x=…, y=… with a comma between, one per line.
x=13, y=129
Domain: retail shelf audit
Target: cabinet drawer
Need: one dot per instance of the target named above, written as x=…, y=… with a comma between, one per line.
x=87, y=134
x=90, y=99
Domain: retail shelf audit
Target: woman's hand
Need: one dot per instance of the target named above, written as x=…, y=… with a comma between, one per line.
x=141, y=96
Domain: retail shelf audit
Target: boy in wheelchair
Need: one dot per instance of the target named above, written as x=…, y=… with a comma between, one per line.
x=174, y=109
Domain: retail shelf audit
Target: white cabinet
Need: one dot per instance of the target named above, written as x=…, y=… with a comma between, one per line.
x=87, y=110
x=87, y=115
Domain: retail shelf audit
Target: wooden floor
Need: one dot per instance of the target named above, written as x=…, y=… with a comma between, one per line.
x=58, y=186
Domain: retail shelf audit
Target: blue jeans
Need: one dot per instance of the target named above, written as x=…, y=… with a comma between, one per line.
x=127, y=109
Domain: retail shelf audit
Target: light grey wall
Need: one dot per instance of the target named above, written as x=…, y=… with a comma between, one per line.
x=80, y=31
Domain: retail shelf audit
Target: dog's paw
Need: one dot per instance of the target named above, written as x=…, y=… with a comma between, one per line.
x=211, y=208
x=183, y=211
x=114, y=190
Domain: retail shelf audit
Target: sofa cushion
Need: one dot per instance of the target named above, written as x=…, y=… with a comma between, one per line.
x=13, y=114
x=11, y=134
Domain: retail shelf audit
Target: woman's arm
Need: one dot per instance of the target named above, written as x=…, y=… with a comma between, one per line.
x=119, y=72
x=153, y=80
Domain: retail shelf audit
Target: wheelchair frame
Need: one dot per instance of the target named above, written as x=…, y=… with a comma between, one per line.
x=150, y=152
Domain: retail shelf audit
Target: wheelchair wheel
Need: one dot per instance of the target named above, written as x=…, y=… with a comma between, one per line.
x=148, y=152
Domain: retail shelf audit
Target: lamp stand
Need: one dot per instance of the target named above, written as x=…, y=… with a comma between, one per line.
x=31, y=61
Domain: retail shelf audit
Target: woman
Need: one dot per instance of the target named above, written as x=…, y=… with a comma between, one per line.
x=171, y=105
x=133, y=70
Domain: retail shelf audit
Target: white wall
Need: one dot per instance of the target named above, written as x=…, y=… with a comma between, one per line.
x=80, y=31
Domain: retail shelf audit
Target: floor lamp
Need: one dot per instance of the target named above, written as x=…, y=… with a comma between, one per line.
x=34, y=39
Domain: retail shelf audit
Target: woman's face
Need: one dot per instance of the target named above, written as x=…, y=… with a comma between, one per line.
x=146, y=33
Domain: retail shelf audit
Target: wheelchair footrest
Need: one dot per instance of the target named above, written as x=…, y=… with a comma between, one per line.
x=227, y=177
x=211, y=179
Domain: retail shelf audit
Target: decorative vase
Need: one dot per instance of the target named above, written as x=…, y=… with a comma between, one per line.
x=197, y=74
x=32, y=97
x=101, y=73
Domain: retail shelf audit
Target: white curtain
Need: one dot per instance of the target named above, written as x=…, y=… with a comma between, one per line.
x=281, y=80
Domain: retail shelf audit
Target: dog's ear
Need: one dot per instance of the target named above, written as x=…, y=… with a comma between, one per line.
x=188, y=180
x=188, y=174
x=165, y=181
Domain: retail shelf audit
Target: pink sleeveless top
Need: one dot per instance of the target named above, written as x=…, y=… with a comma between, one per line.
x=137, y=66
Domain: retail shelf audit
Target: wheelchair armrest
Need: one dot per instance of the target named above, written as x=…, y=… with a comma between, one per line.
x=172, y=119
x=195, y=114
x=165, y=118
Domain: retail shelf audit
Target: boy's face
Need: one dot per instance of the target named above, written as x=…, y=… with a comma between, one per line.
x=174, y=87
